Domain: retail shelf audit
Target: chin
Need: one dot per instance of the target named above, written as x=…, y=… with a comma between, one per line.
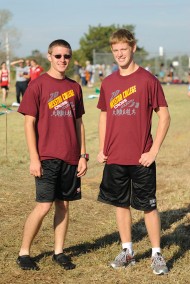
x=62, y=70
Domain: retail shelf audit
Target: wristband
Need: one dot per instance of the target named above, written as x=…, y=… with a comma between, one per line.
x=86, y=156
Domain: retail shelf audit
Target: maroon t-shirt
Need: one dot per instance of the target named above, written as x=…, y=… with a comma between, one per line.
x=129, y=102
x=56, y=104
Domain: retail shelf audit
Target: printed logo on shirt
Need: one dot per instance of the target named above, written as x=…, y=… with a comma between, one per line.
x=121, y=105
x=120, y=97
x=60, y=103
x=58, y=100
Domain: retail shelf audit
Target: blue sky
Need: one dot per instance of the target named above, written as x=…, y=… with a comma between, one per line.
x=163, y=23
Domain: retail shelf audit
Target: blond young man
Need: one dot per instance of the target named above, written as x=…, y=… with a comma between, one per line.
x=127, y=100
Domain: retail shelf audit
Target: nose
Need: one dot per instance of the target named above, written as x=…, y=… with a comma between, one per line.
x=120, y=52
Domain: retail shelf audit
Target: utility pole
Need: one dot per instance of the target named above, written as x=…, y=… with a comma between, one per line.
x=7, y=51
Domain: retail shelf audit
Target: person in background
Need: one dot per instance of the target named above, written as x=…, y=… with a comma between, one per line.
x=27, y=70
x=89, y=74
x=162, y=73
x=4, y=81
x=114, y=67
x=83, y=76
x=170, y=74
x=148, y=68
x=35, y=69
x=76, y=71
x=101, y=72
x=53, y=109
x=188, y=92
x=127, y=100
x=21, y=80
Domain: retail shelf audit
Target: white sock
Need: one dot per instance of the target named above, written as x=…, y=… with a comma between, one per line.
x=155, y=250
x=128, y=246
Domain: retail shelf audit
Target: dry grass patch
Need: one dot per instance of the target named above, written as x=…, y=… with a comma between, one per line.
x=92, y=239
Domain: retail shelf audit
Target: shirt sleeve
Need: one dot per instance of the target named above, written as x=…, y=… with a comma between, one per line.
x=30, y=103
x=102, y=102
x=80, y=104
x=157, y=98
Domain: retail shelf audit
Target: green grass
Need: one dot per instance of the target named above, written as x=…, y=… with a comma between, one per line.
x=92, y=238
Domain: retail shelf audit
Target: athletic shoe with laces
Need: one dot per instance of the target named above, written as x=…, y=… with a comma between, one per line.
x=124, y=259
x=25, y=262
x=159, y=265
x=64, y=261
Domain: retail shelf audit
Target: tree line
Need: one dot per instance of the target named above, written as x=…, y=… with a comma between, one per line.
x=95, y=39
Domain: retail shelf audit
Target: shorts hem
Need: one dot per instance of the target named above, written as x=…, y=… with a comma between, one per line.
x=143, y=209
x=44, y=201
x=112, y=203
x=70, y=199
x=66, y=199
x=125, y=206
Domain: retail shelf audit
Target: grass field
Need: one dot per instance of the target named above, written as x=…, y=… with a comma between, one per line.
x=92, y=238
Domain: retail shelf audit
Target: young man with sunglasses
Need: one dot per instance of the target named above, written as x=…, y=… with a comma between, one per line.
x=53, y=109
x=127, y=100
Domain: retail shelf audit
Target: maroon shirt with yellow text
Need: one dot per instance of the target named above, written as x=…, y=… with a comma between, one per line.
x=56, y=104
x=129, y=102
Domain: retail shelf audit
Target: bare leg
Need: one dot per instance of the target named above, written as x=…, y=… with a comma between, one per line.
x=32, y=226
x=152, y=221
x=123, y=217
x=61, y=221
x=4, y=92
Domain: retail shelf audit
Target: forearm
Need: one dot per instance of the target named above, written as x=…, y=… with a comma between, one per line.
x=81, y=135
x=102, y=133
x=16, y=62
x=35, y=163
x=162, y=129
x=31, y=138
x=102, y=130
x=149, y=157
x=82, y=165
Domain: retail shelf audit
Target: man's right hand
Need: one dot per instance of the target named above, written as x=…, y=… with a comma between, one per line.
x=36, y=168
x=101, y=157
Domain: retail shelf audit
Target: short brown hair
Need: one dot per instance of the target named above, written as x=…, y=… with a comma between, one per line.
x=122, y=35
x=58, y=42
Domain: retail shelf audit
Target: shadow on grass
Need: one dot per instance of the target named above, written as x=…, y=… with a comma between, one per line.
x=179, y=237
x=42, y=255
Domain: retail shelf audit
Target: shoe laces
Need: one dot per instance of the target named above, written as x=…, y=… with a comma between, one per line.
x=123, y=256
x=158, y=260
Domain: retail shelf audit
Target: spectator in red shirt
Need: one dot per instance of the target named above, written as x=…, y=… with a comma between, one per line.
x=4, y=81
x=35, y=70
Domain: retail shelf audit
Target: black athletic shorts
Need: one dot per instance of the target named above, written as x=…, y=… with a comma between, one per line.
x=5, y=87
x=59, y=181
x=125, y=186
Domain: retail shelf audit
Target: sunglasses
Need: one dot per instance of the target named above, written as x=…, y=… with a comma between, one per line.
x=65, y=56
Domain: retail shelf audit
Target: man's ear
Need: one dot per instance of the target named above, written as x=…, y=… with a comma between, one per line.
x=49, y=57
x=134, y=48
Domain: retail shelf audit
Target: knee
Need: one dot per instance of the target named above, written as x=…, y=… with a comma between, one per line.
x=151, y=213
x=43, y=208
x=62, y=205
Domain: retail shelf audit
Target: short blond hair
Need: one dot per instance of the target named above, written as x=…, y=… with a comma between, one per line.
x=122, y=35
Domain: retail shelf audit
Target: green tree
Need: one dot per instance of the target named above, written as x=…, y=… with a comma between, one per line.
x=97, y=39
x=10, y=32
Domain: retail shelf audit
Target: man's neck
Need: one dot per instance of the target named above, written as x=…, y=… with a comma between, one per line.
x=128, y=69
x=56, y=75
